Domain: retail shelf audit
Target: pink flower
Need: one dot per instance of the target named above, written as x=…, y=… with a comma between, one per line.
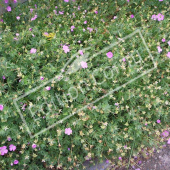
x=17, y=34
x=18, y=17
x=42, y=78
x=127, y=0
x=96, y=12
x=168, y=141
x=6, y=1
x=15, y=1
x=168, y=55
x=12, y=147
x=16, y=162
x=3, y=150
x=3, y=77
x=61, y=12
x=31, y=10
x=116, y=104
x=72, y=28
x=159, y=49
x=154, y=17
x=46, y=33
x=124, y=59
x=160, y=17
x=34, y=146
x=120, y=158
x=66, y=0
x=33, y=51
x=48, y=88
x=114, y=17
x=83, y=64
x=1, y=107
x=12, y=164
x=68, y=131
x=35, y=17
x=109, y=54
x=165, y=133
x=66, y=49
x=169, y=43
x=85, y=22
x=158, y=121
x=8, y=8
x=9, y=138
x=30, y=29
x=160, y=0
x=81, y=52
x=132, y=16
x=163, y=39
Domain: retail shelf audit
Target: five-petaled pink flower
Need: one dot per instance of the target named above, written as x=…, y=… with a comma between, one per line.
x=6, y=1
x=1, y=107
x=132, y=16
x=66, y=0
x=124, y=59
x=83, y=64
x=169, y=43
x=160, y=17
x=158, y=121
x=68, y=131
x=48, y=88
x=16, y=162
x=109, y=54
x=8, y=8
x=34, y=146
x=163, y=39
x=168, y=55
x=15, y=1
x=66, y=49
x=165, y=133
x=33, y=51
x=42, y=78
x=18, y=17
x=72, y=28
x=168, y=141
x=81, y=52
x=3, y=150
x=12, y=147
x=159, y=49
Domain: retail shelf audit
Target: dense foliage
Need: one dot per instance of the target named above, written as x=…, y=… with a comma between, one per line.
x=38, y=38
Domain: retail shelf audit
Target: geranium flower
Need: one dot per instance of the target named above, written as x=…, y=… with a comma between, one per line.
x=109, y=54
x=66, y=0
x=33, y=51
x=3, y=150
x=12, y=147
x=165, y=133
x=8, y=8
x=168, y=55
x=6, y=1
x=9, y=138
x=34, y=146
x=159, y=49
x=83, y=64
x=124, y=59
x=15, y=1
x=42, y=78
x=66, y=49
x=160, y=17
x=158, y=121
x=48, y=88
x=31, y=10
x=1, y=107
x=72, y=28
x=163, y=39
x=85, y=22
x=3, y=77
x=68, y=131
x=132, y=16
x=169, y=43
x=154, y=17
x=168, y=141
x=18, y=17
x=81, y=52
x=16, y=162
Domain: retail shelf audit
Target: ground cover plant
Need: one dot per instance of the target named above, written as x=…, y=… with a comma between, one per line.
x=38, y=38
